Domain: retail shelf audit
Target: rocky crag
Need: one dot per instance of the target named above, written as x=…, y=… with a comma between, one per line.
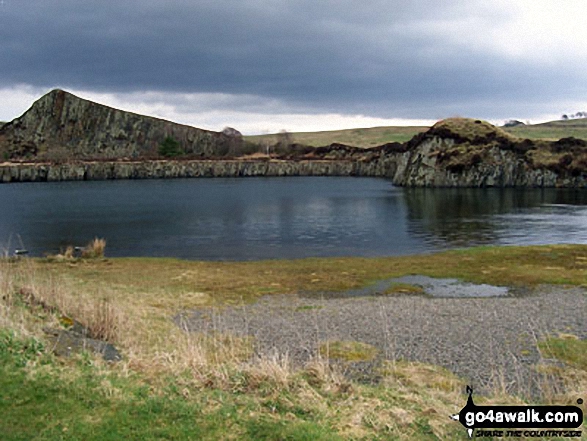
x=62, y=137
x=460, y=152
x=60, y=126
x=82, y=171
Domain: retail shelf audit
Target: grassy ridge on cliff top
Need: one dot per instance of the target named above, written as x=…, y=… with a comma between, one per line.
x=371, y=137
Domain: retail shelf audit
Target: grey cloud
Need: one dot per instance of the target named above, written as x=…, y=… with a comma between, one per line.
x=313, y=56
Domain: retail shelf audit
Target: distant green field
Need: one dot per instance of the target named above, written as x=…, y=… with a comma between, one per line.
x=371, y=137
x=553, y=130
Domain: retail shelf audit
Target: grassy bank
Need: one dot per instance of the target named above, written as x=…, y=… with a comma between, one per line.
x=371, y=137
x=368, y=137
x=553, y=130
x=177, y=385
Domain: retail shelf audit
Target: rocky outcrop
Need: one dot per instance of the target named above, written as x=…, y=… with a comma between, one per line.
x=424, y=167
x=67, y=342
x=35, y=172
x=62, y=137
x=472, y=153
x=417, y=168
x=62, y=126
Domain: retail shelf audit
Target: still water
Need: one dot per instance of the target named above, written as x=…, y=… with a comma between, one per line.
x=263, y=218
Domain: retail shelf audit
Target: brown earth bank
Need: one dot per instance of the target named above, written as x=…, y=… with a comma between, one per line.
x=63, y=137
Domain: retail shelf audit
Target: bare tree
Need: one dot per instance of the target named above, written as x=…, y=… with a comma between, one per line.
x=284, y=141
x=235, y=141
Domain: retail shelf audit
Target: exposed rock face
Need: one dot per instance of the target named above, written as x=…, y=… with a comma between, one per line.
x=185, y=169
x=473, y=153
x=422, y=167
x=98, y=142
x=61, y=124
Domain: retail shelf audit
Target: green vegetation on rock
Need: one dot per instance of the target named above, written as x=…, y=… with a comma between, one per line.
x=170, y=148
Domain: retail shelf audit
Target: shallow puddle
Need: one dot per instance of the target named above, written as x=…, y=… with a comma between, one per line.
x=416, y=284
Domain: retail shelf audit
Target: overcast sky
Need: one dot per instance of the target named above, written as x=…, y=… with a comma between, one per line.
x=266, y=65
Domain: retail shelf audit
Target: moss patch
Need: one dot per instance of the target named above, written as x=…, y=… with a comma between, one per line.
x=348, y=350
x=308, y=307
x=404, y=288
x=568, y=349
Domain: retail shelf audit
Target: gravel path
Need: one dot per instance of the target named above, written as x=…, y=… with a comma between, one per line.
x=486, y=341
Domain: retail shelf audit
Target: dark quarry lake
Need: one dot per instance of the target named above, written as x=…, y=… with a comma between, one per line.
x=266, y=218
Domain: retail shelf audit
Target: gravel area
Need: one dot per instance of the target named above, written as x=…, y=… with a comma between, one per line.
x=489, y=342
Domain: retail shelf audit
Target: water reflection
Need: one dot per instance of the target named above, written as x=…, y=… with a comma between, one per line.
x=464, y=217
x=263, y=218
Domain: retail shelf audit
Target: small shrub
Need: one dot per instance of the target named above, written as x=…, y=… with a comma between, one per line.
x=95, y=249
x=456, y=168
x=102, y=320
x=248, y=148
x=476, y=159
x=170, y=148
x=69, y=252
x=565, y=160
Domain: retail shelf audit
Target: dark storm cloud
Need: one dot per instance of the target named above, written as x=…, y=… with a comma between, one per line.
x=319, y=56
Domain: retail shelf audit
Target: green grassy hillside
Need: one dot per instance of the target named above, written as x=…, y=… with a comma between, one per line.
x=553, y=130
x=371, y=137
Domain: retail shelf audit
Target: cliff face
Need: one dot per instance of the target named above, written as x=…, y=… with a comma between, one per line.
x=67, y=138
x=35, y=172
x=468, y=153
x=62, y=126
x=423, y=167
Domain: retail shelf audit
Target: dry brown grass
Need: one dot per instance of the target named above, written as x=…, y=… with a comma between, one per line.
x=165, y=286
x=54, y=299
x=471, y=128
x=94, y=249
x=149, y=340
x=130, y=302
x=69, y=253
